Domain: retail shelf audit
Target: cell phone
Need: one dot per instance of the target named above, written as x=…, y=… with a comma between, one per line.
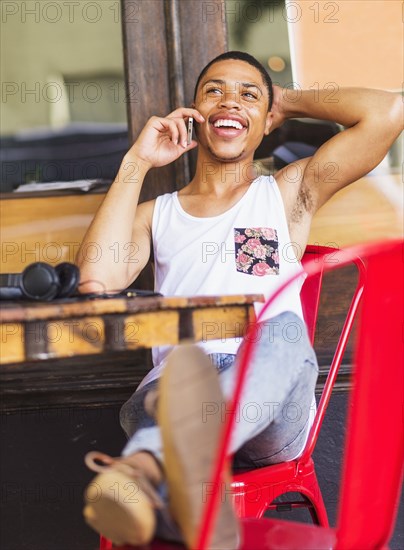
x=190, y=127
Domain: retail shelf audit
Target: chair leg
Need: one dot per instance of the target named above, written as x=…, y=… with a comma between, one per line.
x=318, y=512
x=312, y=492
x=246, y=507
x=251, y=510
x=105, y=544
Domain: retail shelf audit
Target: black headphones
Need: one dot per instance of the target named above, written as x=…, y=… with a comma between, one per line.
x=40, y=281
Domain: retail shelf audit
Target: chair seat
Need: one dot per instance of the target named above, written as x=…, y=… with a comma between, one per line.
x=256, y=491
x=278, y=472
x=269, y=534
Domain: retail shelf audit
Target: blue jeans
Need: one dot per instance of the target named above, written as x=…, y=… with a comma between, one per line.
x=272, y=420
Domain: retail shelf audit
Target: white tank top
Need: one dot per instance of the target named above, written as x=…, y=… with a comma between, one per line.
x=245, y=250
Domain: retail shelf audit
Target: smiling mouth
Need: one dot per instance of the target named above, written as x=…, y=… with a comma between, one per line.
x=226, y=127
x=228, y=123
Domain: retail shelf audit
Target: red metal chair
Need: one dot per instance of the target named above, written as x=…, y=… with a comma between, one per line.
x=105, y=544
x=256, y=490
x=374, y=450
x=374, y=456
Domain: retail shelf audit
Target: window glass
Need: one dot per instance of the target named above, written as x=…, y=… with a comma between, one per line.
x=63, y=108
x=260, y=28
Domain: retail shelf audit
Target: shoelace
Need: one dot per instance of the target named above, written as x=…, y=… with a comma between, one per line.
x=92, y=458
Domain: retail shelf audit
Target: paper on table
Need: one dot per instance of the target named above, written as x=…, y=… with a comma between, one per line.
x=81, y=185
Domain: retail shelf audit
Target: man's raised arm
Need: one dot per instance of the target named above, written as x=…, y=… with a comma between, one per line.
x=373, y=120
x=117, y=244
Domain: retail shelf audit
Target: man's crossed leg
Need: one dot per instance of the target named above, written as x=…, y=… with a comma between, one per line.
x=272, y=423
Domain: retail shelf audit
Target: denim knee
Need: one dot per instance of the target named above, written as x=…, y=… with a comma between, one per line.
x=133, y=415
x=284, y=334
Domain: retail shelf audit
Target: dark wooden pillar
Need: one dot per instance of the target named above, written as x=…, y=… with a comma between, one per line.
x=166, y=44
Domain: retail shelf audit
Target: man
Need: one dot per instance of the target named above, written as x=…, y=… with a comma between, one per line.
x=226, y=232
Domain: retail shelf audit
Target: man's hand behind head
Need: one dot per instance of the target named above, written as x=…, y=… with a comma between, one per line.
x=277, y=110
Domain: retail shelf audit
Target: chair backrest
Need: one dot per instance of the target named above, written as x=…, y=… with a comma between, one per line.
x=310, y=296
x=311, y=289
x=374, y=451
x=355, y=456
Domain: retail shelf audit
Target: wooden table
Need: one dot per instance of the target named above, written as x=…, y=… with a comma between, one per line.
x=78, y=327
x=93, y=353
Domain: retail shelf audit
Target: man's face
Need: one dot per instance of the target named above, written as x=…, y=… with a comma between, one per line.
x=234, y=101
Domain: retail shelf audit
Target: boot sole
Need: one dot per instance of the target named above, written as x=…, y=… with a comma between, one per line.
x=118, y=509
x=190, y=437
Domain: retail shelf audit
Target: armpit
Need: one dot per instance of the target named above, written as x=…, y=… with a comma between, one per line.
x=304, y=204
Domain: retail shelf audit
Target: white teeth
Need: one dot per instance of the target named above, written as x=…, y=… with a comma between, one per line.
x=227, y=122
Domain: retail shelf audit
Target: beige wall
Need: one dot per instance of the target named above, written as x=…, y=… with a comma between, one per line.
x=349, y=42
x=36, y=51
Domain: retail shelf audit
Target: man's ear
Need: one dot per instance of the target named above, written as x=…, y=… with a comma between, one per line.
x=268, y=123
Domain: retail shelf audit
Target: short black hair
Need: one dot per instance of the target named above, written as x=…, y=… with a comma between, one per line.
x=242, y=56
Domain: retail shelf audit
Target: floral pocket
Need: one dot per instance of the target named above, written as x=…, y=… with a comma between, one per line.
x=257, y=251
